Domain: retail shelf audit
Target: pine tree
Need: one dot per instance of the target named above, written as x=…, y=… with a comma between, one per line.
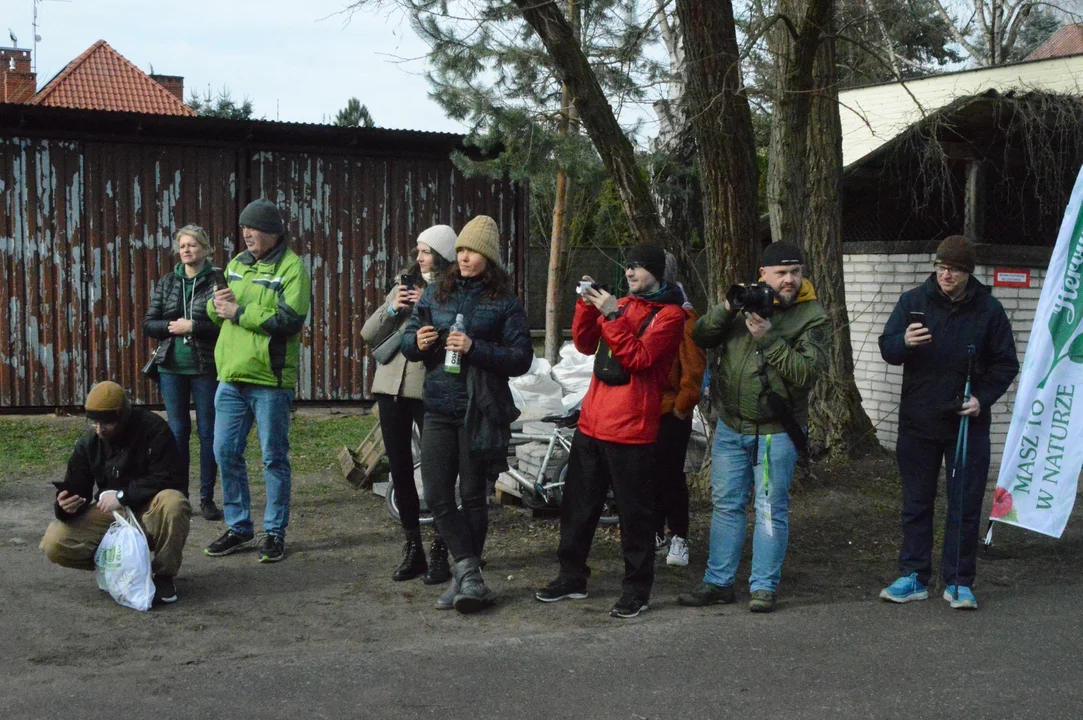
x=354, y=115
x=220, y=105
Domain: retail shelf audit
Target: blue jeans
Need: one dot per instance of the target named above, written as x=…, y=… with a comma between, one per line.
x=177, y=392
x=733, y=471
x=237, y=406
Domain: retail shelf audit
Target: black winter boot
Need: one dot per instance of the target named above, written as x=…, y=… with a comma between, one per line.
x=473, y=594
x=413, y=562
x=439, y=570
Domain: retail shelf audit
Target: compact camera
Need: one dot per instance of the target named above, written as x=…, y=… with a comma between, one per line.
x=758, y=298
x=585, y=285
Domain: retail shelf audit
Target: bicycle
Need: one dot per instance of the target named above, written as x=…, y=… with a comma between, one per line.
x=543, y=489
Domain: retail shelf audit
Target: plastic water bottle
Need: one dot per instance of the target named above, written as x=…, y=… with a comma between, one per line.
x=453, y=362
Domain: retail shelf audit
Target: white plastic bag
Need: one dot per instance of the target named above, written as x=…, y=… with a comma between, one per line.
x=574, y=370
x=123, y=563
x=536, y=393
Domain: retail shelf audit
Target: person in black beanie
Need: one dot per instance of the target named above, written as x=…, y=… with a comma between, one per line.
x=636, y=341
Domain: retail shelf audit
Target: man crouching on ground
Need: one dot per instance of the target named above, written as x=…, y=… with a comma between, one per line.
x=128, y=458
x=636, y=340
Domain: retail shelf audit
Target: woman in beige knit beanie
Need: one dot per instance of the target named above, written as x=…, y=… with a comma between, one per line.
x=492, y=345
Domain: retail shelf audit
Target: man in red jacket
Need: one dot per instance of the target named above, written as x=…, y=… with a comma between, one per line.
x=635, y=341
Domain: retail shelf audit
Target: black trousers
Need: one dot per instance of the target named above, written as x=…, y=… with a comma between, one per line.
x=445, y=456
x=671, y=485
x=397, y=418
x=593, y=467
x=919, y=465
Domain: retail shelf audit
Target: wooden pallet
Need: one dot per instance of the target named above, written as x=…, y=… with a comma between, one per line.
x=359, y=466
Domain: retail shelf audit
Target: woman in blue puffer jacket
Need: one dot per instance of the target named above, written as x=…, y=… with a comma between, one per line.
x=494, y=346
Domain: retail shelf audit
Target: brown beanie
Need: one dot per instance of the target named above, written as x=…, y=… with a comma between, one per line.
x=107, y=402
x=482, y=236
x=956, y=252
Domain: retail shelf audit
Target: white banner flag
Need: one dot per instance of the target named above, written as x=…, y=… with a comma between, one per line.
x=1043, y=454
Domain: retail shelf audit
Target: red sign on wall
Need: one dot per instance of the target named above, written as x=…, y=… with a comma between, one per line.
x=1011, y=277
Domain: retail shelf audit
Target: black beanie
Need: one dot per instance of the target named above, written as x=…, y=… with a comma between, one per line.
x=649, y=257
x=262, y=215
x=782, y=253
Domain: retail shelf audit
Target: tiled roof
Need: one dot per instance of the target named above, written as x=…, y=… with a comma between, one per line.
x=1067, y=40
x=103, y=79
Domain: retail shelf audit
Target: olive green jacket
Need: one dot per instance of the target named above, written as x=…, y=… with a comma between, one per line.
x=795, y=352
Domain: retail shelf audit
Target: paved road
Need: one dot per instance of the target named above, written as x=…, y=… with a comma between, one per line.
x=1018, y=657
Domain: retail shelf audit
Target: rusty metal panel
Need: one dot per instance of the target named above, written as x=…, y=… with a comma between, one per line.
x=41, y=335
x=86, y=227
x=142, y=194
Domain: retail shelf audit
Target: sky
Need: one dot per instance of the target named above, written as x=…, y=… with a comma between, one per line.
x=297, y=60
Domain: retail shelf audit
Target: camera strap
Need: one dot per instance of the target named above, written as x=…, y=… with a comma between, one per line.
x=781, y=409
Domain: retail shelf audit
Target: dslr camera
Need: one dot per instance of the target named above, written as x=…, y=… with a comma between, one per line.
x=756, y=298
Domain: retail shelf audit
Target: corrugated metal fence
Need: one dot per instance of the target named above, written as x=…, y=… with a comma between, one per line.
x=86, y=227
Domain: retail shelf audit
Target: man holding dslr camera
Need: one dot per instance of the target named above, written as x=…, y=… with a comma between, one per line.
x=635, y=341
x=769, y=360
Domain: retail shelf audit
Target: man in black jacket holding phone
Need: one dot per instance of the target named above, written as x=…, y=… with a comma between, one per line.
x=128, y=459
x=930, y=333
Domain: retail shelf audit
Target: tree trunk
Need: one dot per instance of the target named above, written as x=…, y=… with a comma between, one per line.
x=554, y=287
x=593, y=108
x=722, y=123
x=787, y=173
x=838, y=424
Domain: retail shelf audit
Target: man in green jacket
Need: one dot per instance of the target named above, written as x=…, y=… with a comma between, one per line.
x=768, y=365
x=261, y=313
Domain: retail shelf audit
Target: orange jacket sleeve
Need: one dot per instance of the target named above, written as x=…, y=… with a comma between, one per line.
x=585, y=330
x=693, y=363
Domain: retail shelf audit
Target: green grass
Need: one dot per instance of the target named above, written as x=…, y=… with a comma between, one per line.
x=314, y=442
x=36, y=446
x=28, y=446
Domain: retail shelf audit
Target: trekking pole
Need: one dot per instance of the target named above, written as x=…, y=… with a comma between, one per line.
x=958, y=468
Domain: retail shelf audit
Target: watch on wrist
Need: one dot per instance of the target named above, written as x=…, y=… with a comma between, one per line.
x=120, y=496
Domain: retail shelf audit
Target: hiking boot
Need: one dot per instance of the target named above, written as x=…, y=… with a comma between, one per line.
x=229, y=542
x=763, y=601
x=413, y=560
x=446, y=601
x=708, y=594
x=628, y=606
x=210, y=511
x=962, y=600
x=678, y=552
x=562, y=589
x=165, y=592
x=272, y=549
x=661, y=543
x=474, y=594
x=439, y=571
x=904, y=590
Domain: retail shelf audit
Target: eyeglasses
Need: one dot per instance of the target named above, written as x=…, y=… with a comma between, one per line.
x=96, y=424
x=945, y=270
x=633, y=265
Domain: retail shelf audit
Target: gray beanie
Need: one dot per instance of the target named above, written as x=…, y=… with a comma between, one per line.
x=262, y=215
x=441, y=238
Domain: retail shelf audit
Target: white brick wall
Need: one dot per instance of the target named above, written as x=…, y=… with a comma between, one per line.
x=873, y=286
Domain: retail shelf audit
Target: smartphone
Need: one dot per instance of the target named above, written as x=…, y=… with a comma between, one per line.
x=425, y=315
x=915, y=316
x=220, y=279
x=407, y=280
x=62, y=486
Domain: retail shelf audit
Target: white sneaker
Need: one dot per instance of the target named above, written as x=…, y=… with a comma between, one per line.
x=678, y=552
x=661, y=544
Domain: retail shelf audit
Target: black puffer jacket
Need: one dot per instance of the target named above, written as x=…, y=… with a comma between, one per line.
x=500, y=335
x=167, y=304
x=935, y=374
x=142, y=461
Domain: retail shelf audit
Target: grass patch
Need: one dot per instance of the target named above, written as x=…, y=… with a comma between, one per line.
x=35, y=446
x=314, y=443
